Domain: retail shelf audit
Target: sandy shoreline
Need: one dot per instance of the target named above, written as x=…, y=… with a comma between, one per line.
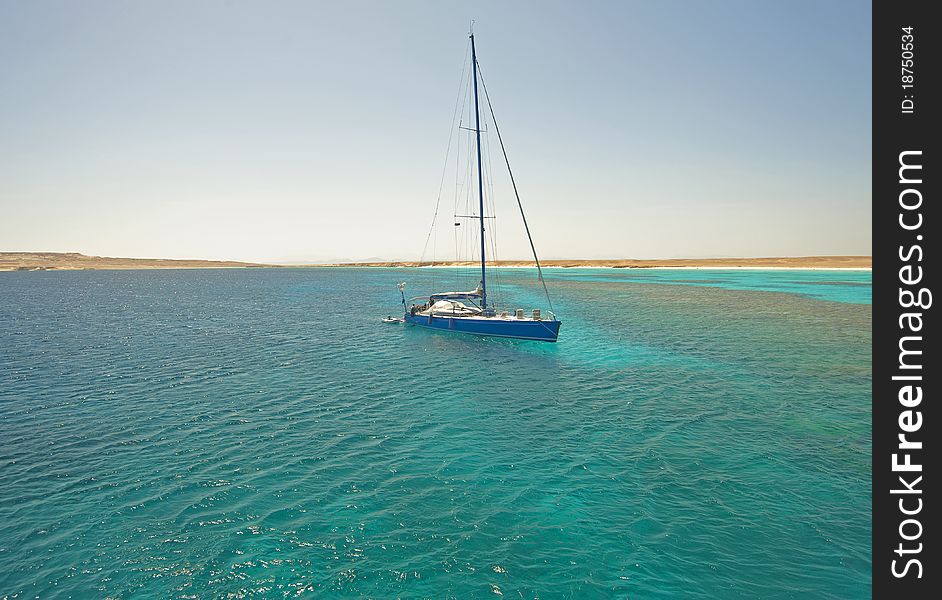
x=799, y=262
x=660, y=267
x=71, y=261
x=60, y=261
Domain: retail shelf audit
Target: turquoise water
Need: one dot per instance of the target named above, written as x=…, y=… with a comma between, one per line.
x=259, y=433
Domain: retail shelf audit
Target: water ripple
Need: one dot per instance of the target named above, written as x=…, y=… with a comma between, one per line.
x=247, y=434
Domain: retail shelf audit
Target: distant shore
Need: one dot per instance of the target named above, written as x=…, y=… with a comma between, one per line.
x=789, y=262
x=71, y=261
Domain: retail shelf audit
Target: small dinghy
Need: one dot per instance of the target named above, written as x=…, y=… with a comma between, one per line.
x=393, y=320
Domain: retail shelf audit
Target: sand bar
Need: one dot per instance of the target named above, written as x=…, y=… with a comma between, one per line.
x=790, y=262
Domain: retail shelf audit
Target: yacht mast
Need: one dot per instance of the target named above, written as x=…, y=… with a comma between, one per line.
x=477, y=129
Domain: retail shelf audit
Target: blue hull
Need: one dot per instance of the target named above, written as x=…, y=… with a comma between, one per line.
x=544, y=331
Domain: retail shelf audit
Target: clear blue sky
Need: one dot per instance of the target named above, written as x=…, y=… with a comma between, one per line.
x=317, y=130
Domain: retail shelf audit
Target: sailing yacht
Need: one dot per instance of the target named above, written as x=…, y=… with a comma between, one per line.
x=471, y=312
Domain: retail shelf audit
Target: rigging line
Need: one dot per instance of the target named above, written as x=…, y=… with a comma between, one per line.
x=495, y=236
x=458, y=182
x=461, y=173
x=472, y=234
x=466, y=233
x=536, y=259
x=461, y=177
x=492, y=203
x=451, y=133
x=469, y=233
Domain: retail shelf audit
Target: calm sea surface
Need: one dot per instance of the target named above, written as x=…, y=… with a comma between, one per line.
x=260, y=433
